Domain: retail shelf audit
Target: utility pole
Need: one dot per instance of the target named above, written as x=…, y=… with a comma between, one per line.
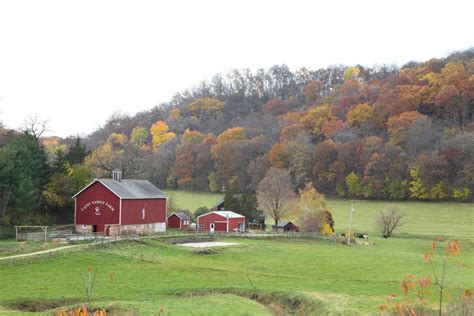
x=350, y=223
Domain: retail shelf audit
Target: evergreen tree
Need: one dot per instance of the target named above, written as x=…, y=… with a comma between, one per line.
x=77, y=152
x=60, y=163
x=29, y=174
x=238, y=201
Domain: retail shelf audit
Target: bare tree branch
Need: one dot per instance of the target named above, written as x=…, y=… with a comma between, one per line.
x=390, y=219
x=35, y=126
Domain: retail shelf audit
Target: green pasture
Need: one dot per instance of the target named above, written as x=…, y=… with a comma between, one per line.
x=153, y=274
x=336, y=279
x=423, y=218
x=191, y=200
x=11, y=247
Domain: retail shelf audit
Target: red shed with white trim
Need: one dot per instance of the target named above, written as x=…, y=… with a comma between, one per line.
x=179, y=220
x=221, y=221
x=114, y=206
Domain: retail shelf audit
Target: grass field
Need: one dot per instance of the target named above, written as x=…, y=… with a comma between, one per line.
x=423, y=218
x=343, y=280
x=11, y=247
x=191, y=200
x=334, y=279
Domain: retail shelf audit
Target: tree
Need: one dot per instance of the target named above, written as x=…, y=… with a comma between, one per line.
x=390, y=219
x=275, y=107
x=206, y=107
x=316, y=117
x=201, y=211
x=313, y=216
x=7, y=179
x=351, y=73
x=375, y=173
x=60, y=163
x=77, y=152
x=417, y=187
x=139, y=135
x=398, y=126
x=26, y=172
x=396, y=189
x=62, y=186
x=233, y=152
x=312, y=90
x=237, y=200
x=275, y=194
x=34, y=126
x=160, y=133
x=353, y=184
x=362, y=116
x=118, y=153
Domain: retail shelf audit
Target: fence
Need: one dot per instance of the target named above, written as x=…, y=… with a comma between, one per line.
x=261, y=234
x=43, y=236
x=67, y=236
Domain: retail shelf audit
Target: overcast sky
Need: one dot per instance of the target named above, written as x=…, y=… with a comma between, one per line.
x=76, y=62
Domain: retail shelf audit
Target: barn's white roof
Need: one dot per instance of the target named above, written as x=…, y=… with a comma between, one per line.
x=129, y=189
x=228, y=214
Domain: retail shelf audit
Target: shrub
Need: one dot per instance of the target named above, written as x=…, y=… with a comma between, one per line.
x=389, y=220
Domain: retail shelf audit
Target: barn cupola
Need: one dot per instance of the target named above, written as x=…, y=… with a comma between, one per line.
x=117, y=175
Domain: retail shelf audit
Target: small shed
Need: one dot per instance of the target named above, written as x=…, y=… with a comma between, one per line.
x=285, y=226
x=221, y=221
x=219, y=206
x=179, y=220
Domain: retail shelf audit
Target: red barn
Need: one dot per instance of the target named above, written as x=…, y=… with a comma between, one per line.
x=221, y=221
x=179, y=220
x=112, y=206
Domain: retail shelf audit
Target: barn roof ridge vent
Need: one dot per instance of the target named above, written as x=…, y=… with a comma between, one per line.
x=117, y=175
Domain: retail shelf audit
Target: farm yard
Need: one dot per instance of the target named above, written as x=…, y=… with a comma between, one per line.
x=423, y=218
x=255, y=277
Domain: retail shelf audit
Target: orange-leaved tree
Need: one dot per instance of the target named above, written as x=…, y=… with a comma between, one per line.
x=416, y=292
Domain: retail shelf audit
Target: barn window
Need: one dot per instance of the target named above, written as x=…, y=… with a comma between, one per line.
x=201, y=226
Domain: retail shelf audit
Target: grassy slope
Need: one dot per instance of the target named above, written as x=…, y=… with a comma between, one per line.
x=423, y=218
x=352, y=279
x=348, y=280
x=197, y=305
x=11, y=247
x=191, y=200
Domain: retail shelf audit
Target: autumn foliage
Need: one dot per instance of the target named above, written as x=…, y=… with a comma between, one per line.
x=420, y=293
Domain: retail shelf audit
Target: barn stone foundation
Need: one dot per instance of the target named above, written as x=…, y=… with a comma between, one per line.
x=116, y=230
x=143, y=229
x=84, y=229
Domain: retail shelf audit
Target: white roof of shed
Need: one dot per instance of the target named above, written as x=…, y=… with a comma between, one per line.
x=228, y=214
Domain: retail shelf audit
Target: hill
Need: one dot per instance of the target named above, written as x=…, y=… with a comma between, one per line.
x=377, y=133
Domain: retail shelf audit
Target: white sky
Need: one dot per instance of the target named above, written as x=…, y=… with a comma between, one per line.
x=76, y=62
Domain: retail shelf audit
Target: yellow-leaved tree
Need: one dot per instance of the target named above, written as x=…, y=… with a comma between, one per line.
x=313, y=216
x=160, y=133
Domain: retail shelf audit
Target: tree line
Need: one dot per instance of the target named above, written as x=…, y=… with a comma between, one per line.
x=375, y=133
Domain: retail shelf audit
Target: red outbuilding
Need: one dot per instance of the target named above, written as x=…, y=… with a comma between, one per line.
x=221, y=221
x=114, y=206
x=179, y=220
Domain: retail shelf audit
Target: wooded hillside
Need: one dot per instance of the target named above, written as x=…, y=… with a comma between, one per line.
x=378, y=133
x=375, y=133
